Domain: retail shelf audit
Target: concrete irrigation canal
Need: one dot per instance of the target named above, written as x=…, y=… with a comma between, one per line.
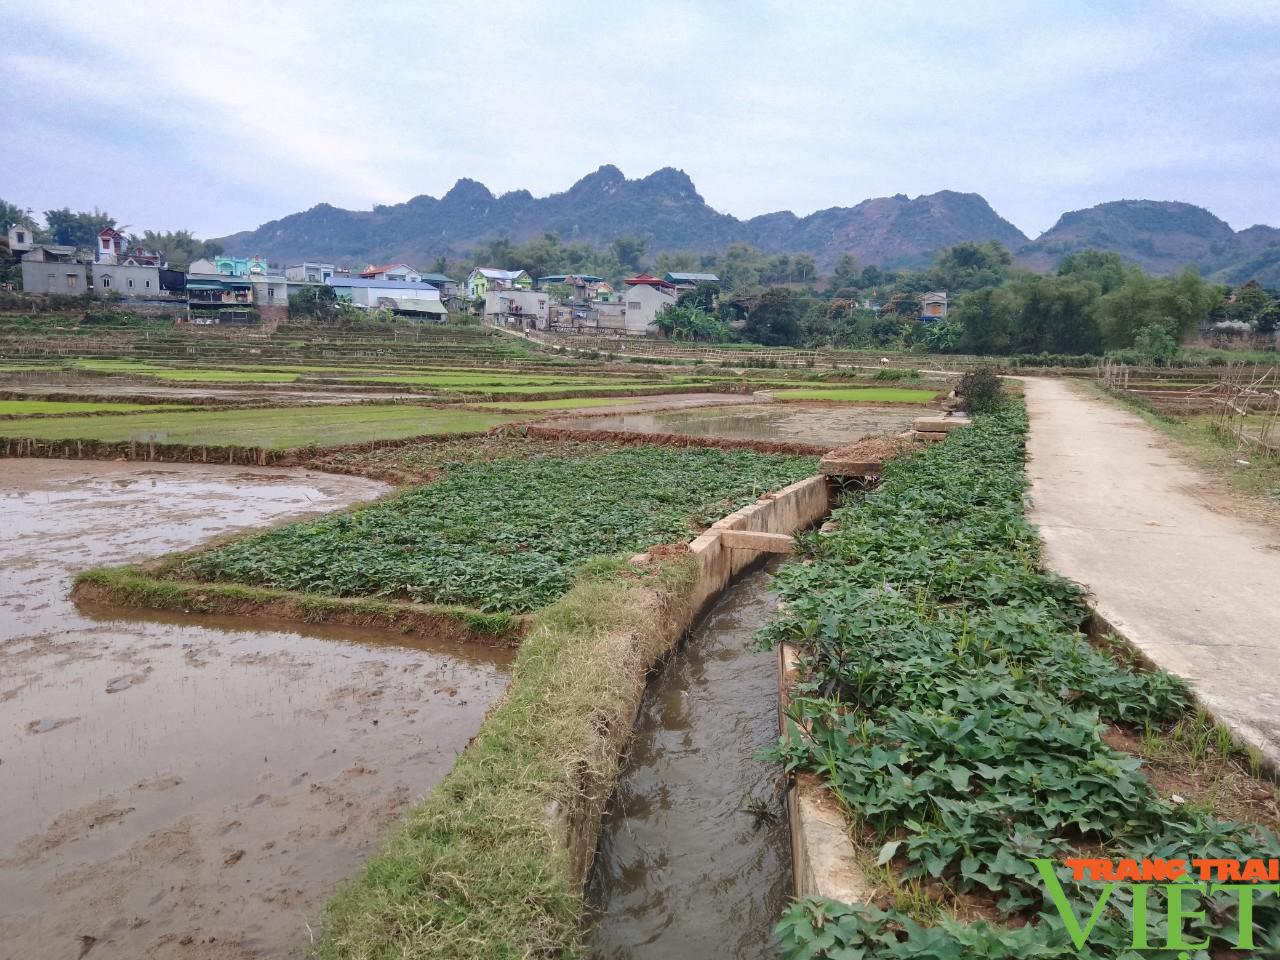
x=172, y=783
x=694, y=859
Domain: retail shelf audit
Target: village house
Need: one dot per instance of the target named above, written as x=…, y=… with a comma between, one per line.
x=644, y=298
x=120, y=271
x=309, y=272
x=48, y=269
x=391, y=271
x=408, y=298
x=525, y=309
x=214, y=297
x=448, y=287
x=580, y=287
x=21, y=240
x=933, y=305
x=690, y=281
x=483, y=279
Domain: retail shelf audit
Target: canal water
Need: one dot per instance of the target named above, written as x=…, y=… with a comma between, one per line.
x=687, y=867
x=175, y=786
x=778, y=422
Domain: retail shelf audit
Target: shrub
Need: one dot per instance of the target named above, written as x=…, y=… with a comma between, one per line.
x=979, y=390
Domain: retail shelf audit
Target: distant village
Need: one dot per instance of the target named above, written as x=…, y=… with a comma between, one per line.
x=249, y=290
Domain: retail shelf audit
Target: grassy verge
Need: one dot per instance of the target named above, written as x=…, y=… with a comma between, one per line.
x=130, y=586
x=490, y=866
x=952, y=703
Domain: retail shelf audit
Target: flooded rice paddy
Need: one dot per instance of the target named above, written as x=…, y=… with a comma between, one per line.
x=183, y=787
x=788, y=423
x=685, y=869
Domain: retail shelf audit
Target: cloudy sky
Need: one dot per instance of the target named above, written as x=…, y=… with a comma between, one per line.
x=219, y=116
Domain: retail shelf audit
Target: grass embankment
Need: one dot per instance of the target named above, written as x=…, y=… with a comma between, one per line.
x=957, y=711
x=505, y=535
x=859, y=394
x=273, y=429
x=490, y=866
x=24, y=408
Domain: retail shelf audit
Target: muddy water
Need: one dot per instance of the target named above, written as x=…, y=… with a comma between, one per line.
x=684, y=870
x=182, y=787
x=786, y=422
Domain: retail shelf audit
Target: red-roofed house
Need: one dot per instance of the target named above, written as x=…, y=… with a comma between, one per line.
x=391, y=271
x=646, y=280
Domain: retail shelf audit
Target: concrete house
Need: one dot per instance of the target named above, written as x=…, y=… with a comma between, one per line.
x=391, y=271
x=448, y=287
x=405, y=297
x=524, y=309
x=690, y=281
x=48, y=269
x=644, y=298
x=933, y=305
x=126, y=277
x=308, y=272
x=21, y=239
x=483, y=279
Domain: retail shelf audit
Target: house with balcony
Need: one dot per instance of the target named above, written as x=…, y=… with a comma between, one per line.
x=483, y=279
x=521, y=309
x=309, y=272
x=219, y=298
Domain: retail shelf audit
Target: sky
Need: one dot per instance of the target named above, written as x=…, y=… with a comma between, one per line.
x=219, y=117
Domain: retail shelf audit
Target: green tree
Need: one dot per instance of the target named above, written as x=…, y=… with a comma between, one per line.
x=11, y=214
x=774, y=321
x=1056, y=315
x=970, y=266
x=690, y=323
x=177, y=248
x=629, y=252
x=1103, y=267
x=78, y=229
x=1180, y=304
x=1156, y=343
x=988, y=320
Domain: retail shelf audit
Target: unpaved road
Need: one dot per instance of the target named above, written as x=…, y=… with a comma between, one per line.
x=1193, y=588
x=183, y=787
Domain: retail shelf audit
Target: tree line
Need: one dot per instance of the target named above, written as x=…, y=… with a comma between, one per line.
x=80, y=228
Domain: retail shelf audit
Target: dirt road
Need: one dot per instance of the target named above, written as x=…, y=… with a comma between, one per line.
x=1195, y=589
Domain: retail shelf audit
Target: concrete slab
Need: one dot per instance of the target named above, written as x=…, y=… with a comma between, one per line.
x=1193, y=589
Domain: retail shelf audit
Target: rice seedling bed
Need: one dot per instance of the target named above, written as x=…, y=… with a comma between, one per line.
x=271, y=429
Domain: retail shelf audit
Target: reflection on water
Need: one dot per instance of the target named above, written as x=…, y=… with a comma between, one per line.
x=684, y=869
x=785, y=422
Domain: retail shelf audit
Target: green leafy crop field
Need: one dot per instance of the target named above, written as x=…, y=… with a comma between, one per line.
x=952, y=704
x=506, y=535
x=275, y=429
